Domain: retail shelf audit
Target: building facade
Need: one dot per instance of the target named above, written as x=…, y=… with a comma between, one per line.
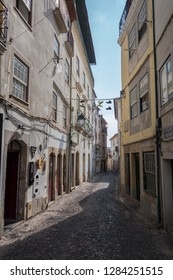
x=164, y=59
x=138, y=154
x=114, y=152
x=45, y=52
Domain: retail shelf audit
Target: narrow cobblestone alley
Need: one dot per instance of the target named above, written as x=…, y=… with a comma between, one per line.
x=92, y=222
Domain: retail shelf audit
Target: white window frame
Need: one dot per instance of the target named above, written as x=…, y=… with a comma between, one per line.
x=77, y=66
x=20, y=79
x=56, y=47
x=54, y=106
x=67, y=72
x=64, y=116
x=88, y=91
x=25, y=10
x=166, y=82
x=84, y=80
x=144, y=93
x=133, y=103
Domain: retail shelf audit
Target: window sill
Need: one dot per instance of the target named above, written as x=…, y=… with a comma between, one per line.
x=19, y=101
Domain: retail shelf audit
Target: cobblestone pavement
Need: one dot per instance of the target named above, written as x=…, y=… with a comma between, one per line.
x=92, y=222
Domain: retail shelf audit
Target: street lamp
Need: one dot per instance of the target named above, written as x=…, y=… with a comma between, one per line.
x=81, y=120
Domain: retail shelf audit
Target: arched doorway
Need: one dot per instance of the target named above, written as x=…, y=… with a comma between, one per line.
x=51, y=194
x=77, y=168
x=14, y=200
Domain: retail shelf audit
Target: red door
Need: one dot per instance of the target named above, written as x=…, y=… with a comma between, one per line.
x=10, y=210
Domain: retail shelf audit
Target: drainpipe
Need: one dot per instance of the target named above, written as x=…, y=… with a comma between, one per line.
x=68, y=190
x=158, y=123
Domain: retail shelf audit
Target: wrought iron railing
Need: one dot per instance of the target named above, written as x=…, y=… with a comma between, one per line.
x=124, y=15
x=3, y=23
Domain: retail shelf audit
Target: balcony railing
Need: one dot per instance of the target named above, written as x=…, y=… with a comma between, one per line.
x=124, y=15
x=3, y=27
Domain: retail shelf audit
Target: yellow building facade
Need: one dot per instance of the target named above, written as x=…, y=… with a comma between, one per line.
x=138, y=107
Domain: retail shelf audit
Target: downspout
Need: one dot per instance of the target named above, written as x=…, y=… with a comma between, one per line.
x=68, y=190
x=158, y=123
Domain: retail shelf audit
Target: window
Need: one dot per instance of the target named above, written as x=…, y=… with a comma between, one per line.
x=88, y=91
x=77, y=66
x=166, y=82
x=67, y=69
x=132, y=41
x=144, y=95
x=56, y=48
x=20, y=79
x=64, y=116
x=149, y=172
x=25, y=8
x=142, y=21
x=78, y=103
x=54, y=107
x=84, y=80
x=133, y=102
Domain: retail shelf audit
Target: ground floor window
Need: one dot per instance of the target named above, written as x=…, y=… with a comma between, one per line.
x=149, y=172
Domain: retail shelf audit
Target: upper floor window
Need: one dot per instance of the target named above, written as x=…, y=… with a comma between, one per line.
x=166, y=82
x=88, y=91
x=64, y=116
x=84, y=80
x=25, y=9
x=142, y=20
x=20, y=79
x=132, y=41
x=67, y=72
x=144, y=94
x=54, y=107
x=133, y=103
x=56, y=48
x=77, y=66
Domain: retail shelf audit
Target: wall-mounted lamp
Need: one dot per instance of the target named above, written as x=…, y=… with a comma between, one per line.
x=109, y=108
x=81, y=120
x=109, y=102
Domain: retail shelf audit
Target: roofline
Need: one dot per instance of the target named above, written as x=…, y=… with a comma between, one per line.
x=85, y=29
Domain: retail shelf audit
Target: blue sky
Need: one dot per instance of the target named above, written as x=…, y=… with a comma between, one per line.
x=104, y=17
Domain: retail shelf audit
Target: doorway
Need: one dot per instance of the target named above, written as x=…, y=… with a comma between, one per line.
x=12, y=183
x=51, y=194
x=137, y=175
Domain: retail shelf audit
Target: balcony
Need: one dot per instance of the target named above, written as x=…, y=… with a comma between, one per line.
x=60, y=20
x=69, y=43
x=3, y=27
x=124, y=15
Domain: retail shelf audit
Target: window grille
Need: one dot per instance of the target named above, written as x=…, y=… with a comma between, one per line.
x=149, y=172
